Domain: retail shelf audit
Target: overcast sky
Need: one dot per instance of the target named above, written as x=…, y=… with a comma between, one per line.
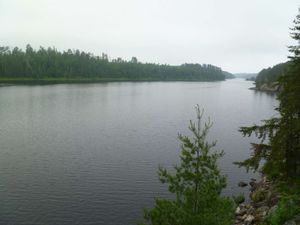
x=237, y=35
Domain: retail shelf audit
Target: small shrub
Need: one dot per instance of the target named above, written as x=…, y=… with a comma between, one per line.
x=239, y=198
x=259, y=195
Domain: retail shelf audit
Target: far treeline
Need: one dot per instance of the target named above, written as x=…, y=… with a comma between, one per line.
x=270, y=75
x=51, y=64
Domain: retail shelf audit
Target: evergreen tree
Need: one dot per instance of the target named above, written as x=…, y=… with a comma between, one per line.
x=196, y=184
x=282, y=149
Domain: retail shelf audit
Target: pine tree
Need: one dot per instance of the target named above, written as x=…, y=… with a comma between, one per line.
x=282, y=150
x=196, y=184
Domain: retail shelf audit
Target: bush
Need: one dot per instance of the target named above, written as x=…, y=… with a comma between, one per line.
x=258, y=196
x=239, y=198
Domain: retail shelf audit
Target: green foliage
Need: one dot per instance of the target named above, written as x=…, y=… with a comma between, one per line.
x=259, y=195
x=280, y=137
x=286, y=209
x=196, y=184
x=261, y=151
x=239, y=198
x=288, y=187
x=271, y=74
x=74, y=64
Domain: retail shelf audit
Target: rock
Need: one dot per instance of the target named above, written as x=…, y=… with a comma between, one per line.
x=290, y=222
x=254, y=186
x=240, y=211
x=249, y=219
x=263, y=203
x=239, y=218
x=263, y=209
x=261, y=212
x=265, y=179
x=242, y=205
x=264, y=213
x=244, y=217
x=251, y=210
x=242, y=184
x=273, y=209
x=237, y=211
x=252, y=183
x=273, y=87
x=258, y=204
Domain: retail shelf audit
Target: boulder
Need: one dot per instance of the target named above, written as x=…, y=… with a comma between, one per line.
x=240, y=211
x=249, y=219
x=242, y=184
x=290, y=222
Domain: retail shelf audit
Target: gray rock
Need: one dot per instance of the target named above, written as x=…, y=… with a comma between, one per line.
x=237, y=211
x=242, y=184
x=249, y=219
x=252, y=183
x=290, y=222
x=242, y=205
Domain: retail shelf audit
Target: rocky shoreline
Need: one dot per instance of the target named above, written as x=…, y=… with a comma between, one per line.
x=263, y=202
x=273, y=87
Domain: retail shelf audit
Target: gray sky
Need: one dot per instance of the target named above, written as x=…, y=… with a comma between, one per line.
x=237, y=35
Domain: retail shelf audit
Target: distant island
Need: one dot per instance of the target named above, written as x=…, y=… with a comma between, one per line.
x=48, y=65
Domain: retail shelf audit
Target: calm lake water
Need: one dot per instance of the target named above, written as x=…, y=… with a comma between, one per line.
x=89, y=153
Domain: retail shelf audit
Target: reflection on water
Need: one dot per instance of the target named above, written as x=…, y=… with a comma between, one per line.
x=88, y=154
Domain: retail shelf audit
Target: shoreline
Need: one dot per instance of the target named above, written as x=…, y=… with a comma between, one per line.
x=10, y=82
x=271, y=88
x=264, y=205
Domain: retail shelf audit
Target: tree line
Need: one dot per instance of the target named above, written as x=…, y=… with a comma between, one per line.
x=43, y=63
x=271, y=74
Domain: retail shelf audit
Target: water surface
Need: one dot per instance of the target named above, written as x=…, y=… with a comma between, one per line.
x=88, y=154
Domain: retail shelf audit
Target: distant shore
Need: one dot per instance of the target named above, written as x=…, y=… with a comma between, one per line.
x=20, y=81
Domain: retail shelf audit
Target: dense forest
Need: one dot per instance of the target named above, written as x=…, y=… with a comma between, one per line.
x=43, y=64
x=271, y=74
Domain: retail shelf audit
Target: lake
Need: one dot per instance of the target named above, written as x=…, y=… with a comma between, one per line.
x=88, y=153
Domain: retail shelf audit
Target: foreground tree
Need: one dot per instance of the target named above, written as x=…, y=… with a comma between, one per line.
x=280, y=137
x=197, y=184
